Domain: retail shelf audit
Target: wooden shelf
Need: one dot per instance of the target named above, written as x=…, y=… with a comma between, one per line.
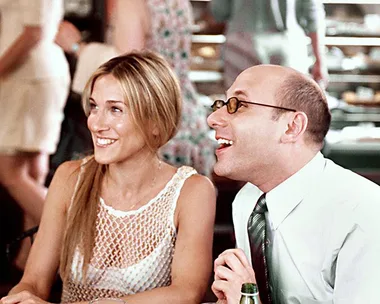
x=329, y=1
x=329, y=40
x=350, y=78
x=205, y=76
x=351, y=1
x=214, y=39
x=350, y=147
x=352, y=41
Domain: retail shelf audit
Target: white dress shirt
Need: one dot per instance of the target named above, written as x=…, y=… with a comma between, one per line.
x=324, y=229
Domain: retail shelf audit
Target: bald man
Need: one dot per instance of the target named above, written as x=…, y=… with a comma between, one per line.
x=321, y=241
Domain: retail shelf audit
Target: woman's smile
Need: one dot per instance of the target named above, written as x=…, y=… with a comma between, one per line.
x=104, y=142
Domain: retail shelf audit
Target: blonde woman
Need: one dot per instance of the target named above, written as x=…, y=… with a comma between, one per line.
x=122, y=223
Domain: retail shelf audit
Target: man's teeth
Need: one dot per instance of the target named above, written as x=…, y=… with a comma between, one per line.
x=104, y=141
x=222, y=141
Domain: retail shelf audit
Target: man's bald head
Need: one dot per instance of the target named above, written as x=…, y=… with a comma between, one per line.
x=286, y=87
x=273, y=75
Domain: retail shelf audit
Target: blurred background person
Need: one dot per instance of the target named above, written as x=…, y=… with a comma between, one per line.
x=272, y=32
x=34, y=84
x=164, y=27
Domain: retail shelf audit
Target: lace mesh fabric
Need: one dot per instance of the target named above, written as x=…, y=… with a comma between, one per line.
x=133, y=249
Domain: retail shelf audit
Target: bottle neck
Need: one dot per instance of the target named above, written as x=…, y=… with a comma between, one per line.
x=250, y=294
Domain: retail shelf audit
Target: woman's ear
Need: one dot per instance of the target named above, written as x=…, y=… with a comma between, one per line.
x=155, y=130
x=296, y=127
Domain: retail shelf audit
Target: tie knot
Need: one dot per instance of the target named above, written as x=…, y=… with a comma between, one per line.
x=261, y=206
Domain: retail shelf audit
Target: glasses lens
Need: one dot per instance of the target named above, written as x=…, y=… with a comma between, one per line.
x=217, y=105
x=232, y=105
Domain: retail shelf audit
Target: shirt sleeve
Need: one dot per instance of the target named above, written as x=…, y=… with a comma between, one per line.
x=34, y=12
x=221, y=9
x=310, y=15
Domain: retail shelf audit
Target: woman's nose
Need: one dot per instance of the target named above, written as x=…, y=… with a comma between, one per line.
x=97, y=122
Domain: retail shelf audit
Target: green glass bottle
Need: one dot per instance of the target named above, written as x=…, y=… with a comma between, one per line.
x=249, y=294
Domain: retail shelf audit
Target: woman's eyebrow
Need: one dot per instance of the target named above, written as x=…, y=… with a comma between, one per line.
x=114, y=101
x=109, y=101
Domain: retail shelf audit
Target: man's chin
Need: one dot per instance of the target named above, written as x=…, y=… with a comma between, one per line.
x=221, y=170
x=228, y=172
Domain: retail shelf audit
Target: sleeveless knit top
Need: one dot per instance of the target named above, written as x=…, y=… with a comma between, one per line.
x=133, y=250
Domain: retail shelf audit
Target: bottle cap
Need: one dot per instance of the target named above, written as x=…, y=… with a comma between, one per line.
x=249, y=288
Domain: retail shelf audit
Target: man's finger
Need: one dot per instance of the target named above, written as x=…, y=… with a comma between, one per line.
x=218, y=288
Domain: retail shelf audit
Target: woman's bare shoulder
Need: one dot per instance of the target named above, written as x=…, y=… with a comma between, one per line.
x=197, y=191
x=66, y=177
x=69, y=169
x=198, y=181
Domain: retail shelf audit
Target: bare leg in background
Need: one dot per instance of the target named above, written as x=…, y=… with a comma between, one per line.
x=23, y=175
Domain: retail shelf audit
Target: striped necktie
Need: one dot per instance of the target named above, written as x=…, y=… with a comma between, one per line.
x=257, y=239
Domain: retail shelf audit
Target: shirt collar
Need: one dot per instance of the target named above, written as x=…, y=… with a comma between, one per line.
x=282, y=199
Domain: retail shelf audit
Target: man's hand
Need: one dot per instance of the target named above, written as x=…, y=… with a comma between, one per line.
x=231, y=270
x=23, y=297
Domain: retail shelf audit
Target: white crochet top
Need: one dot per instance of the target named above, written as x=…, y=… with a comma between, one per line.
x=133, y=249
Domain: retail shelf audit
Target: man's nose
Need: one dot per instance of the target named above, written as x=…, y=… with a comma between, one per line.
x=217, y=118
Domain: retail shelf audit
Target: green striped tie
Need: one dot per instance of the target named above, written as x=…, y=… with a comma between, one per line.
x=257, y=239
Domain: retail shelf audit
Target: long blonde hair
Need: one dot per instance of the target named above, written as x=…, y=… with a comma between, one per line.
x=152, y=94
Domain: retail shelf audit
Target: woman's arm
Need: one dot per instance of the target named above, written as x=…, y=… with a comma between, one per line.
x=43, y=260
x=131, y=28
x=18, y=51
x=192, y=261
x=68, y=38
x=132, y=25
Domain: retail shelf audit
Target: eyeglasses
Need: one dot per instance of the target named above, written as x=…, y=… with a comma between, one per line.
x=233, y=104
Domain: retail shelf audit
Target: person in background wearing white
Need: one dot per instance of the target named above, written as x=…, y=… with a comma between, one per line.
x=34, y=85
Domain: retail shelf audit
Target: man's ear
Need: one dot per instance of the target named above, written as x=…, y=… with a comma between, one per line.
x=296, y=127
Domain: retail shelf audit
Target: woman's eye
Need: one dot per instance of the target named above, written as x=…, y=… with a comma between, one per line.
x=116, y=109
x=93, y=106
